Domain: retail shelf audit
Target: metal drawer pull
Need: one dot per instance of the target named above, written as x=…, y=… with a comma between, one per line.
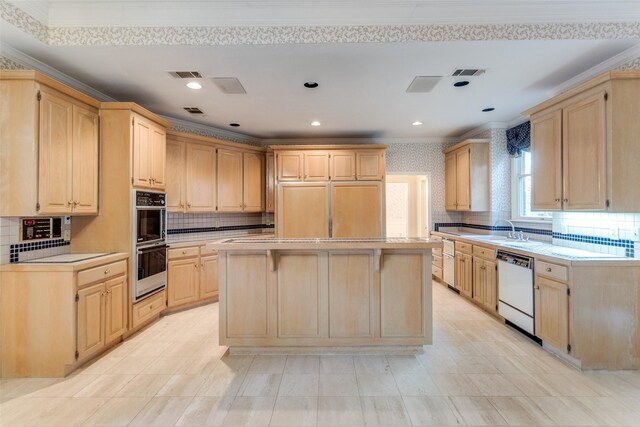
x=548, y=269
x=107, y=271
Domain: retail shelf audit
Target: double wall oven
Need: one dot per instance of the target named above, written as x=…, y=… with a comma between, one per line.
x=150, y=248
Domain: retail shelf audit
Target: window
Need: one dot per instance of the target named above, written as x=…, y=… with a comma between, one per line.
x=521, y=188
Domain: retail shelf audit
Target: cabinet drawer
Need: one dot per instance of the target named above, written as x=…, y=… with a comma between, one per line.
x=206, y=251
x=464, y=247
x=436, y=252
x=183, y=252
x=555, y=271
x=482, y=252
x=435, y=238
x=103, y=272
x=437, y=261
x=147, y=309
x=437, y=272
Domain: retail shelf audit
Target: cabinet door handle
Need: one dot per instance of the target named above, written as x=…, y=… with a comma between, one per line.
x=536, y=287
x=184, y=252
x=566, y=200
x=107, y=271
x=75, y=203
x=69, y=203
x=557, y=200
x=188, y=204
x=548, y=269
x=195, y=265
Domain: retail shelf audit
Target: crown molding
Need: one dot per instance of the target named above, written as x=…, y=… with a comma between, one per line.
x=611, y=63
x=205, y=130
x=351, y=140
x=38, y=9
x=474, y=133
x=32, y=63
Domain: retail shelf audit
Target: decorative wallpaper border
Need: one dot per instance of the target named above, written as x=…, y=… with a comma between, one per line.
x=214, y=229
x=210, y=36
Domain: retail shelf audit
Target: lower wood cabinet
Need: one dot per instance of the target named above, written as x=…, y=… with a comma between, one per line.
x=148, y=308
x=485, y=285
x=101, y=315
x=464, y=273
x=192, y=276
x=552, y=312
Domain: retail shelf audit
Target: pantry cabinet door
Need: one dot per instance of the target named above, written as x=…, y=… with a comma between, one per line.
x=463, y=179
x=56, y=155
x=356, y=209
x=303, y=210
x=200, y=172
x=253, y=182
x=85, y=161
x=584, y=145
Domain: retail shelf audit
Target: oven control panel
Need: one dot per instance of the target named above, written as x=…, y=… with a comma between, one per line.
x=40, y=228
x=149, y=199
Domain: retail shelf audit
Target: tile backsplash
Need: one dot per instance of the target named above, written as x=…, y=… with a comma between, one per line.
x=13, y=250
x=199, y=226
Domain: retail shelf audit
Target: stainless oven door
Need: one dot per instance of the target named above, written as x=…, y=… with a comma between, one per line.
x=151, y=270
x=150, y=225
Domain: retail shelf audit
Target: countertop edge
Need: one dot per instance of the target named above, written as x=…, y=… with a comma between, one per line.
x=67, y=266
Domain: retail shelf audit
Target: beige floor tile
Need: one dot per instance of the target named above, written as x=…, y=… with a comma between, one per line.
x=377, y=385
x=105, y=385
x=339, y=411
x=529, y=385
x=162, y=411
x=299, y=385
x=402, y=364
x=430, y=411
x=302, y=364
x=295, y=411
x=25, y=387
x=143, y=385
x=564, y=411
x=25, y=411
x=338, y=385
x=152, y=348
x=66, y=387
x=611, y=411
x=238, y=364
x=206, y=411
x=250, y=411
x=119, y=411
x=566, y=384
x=416, y=384
x=102, y=365
x=222, y=384
x=70, y=412
x=520, y=411
x=164, y=365
x=337, y=365
x=384, y=411
x=268, y=365
x=455, y=385
x=260, y=385
x=371, y=365
x=475, y=411
x=183, y=385
x=475, y=365
x=494, y=385
x=439, y=362
x=200, y=364
x=132, y=365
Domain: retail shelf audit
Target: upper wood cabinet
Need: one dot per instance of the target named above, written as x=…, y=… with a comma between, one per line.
x=316, y=166
x=50, y=137
x=241, y=182
x=191, y=177
x=467, y=184
x=149, y=147
x=174, y=172
x=290, y=167
x=370, y=165
x=270, y=195
x=584, y=147
x=342, y=165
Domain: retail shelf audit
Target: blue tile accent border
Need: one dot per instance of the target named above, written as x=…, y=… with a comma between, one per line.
x=628, y=245
x=213, y=229
x=16, y=248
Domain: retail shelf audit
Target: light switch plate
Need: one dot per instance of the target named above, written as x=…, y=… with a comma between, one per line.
x=636, y=234
x=66, y=235
x=67, y=220
x=614, y=233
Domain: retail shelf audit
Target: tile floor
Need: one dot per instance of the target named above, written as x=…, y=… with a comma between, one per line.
x=477, y=372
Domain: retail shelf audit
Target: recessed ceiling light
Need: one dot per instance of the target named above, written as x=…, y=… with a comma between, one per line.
x=488, y=109
x=461, y=83
x=311, y=85
x=194, y=85
x=235, y=125
x=315, y=123
x=417, y=123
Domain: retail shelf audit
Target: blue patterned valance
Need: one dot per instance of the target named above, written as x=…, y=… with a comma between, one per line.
x=519, y=139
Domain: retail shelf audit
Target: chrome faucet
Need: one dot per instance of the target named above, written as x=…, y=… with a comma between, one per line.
x=512, y=233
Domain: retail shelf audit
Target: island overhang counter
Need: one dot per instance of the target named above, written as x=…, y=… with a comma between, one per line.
x=325, y=295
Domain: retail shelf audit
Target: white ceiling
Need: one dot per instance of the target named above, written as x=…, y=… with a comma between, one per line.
x=362, y=85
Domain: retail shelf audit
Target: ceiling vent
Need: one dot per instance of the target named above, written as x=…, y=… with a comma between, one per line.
x=466, y=72
x=230, y=85
x=423, y=84
x=193, y=110
x=186, y=74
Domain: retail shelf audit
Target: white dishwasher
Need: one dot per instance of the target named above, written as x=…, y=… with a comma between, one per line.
x=515, y=289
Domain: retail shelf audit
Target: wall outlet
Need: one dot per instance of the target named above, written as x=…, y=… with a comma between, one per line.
x=614, y=233
x=67, y=220
x=66, y=235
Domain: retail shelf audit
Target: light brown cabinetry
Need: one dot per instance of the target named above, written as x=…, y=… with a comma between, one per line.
x=356, y=209
x=240, y=181
x=370, y=165
x=147, y=309
x=289, y=166
x=50, y=140
x=485, y=285
x=437, y=261
x=149, y=151
x=316, y=166
x=303, y=210
x=467, y=183
x=464, y=273
x=342, y=165
x=192, y=275
x=270, y=196
x=192, y=171
x=552, y=312
x=583, y=148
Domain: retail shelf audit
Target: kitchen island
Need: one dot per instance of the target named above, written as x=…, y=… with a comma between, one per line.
x=325, y=295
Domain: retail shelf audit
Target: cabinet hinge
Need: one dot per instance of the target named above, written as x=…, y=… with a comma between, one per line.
x=606, y=203
x=568, y=292
x=606, y=96
x=569, y=348
x=39, y=96
x=131, y=181
x=77, y=354
x=37, y=207
x=77, y=297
